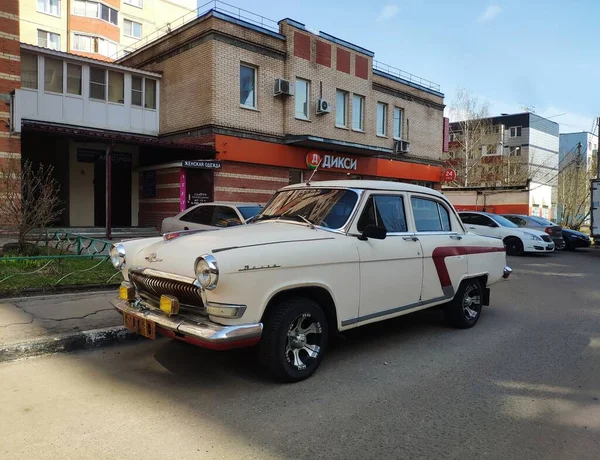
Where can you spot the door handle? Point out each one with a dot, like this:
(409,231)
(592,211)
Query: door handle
(472,228)
(410,238)
(456,237)
(186,228)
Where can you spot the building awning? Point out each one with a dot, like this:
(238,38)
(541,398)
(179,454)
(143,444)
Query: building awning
(315,142)
(101,135)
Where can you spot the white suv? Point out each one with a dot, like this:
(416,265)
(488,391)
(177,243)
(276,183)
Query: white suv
(517,240)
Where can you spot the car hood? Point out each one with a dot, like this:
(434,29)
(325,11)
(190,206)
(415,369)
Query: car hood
(528,230)
(178,254)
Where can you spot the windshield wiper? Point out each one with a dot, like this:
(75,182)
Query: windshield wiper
(289,216)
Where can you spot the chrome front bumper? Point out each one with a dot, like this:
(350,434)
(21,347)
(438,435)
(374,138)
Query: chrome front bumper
(507,271)
(198,328)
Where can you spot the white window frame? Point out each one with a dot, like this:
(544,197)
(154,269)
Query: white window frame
(383,132)
(48,39)
(254,103)
(305,115)
(399,110)
(96,44)
(104,84)
(345,95)
(132,3)
(516,131)
(131,35)
(361,127)
(47,7)
(98,12)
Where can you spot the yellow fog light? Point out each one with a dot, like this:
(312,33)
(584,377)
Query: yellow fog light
(126,292)
(169,304)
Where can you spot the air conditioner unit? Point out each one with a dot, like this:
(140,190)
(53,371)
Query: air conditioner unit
(401,147)
(282,88)
(323,106)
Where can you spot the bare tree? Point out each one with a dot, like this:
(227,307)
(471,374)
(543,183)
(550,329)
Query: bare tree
(29,199)
(574,190)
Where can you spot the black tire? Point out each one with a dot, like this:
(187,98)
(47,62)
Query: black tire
(514,246)
(461,312)
(282,345)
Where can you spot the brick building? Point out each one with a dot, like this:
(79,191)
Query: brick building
(336,106)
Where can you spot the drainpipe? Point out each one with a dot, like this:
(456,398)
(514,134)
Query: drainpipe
(68,26)
(109,150)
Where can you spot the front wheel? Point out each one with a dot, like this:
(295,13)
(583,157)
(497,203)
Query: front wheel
(514,246)
(464,310)
(294,340)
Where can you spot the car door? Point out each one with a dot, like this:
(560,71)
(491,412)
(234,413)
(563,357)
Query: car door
(482,225)
(391,270)
(444,246)
(199,218)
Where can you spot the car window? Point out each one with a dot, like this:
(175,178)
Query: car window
(430,216)
(504,222)
(384,211)
(541,220)
(201,215)
(249,211)
(480,219)
(226,216)
(517,220)
(466,218)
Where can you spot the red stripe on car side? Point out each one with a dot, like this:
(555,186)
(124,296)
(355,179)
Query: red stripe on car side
(439,258)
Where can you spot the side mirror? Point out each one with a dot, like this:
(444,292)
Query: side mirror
(373,231)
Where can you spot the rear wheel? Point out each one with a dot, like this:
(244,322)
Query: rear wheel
(464,310)
(294,340)
(514,246)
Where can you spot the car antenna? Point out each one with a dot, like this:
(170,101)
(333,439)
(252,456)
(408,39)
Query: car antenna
(313,173)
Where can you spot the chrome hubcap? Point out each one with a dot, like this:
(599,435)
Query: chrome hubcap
(471,302)
(302,341)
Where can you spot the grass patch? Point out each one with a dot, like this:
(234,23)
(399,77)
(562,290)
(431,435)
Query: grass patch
(44,274)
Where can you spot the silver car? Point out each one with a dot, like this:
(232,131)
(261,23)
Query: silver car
(208,216)
(540,224)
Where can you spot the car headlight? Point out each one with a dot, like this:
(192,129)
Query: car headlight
(207,271)
(531,236)
(117,255)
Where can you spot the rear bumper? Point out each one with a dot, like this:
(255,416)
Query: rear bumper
(195,330)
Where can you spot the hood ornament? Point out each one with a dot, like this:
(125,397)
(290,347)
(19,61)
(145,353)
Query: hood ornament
(152,258)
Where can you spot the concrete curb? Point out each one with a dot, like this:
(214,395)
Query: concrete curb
(82,340)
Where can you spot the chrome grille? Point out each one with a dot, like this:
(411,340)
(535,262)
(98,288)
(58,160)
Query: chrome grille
(547,238)
(155,286)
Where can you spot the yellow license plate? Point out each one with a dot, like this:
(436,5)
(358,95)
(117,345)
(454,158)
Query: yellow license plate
(142,326)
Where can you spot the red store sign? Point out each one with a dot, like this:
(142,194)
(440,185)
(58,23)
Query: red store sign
(315,159)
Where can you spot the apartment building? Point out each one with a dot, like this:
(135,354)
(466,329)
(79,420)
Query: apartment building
(98,29)
(277,101)
(582,147)
(511,150)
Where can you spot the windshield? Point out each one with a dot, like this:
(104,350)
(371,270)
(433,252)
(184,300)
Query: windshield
(503,221)
(249,211)
(541,220)
(329,208)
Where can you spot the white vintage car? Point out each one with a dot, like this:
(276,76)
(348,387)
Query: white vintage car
(320,258)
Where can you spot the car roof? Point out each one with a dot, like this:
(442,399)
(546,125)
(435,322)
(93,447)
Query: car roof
(367,185)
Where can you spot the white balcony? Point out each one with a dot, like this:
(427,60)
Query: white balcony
(63,88)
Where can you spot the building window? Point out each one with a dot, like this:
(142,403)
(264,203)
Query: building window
(116,87)
(358,109)
(96,10)
(94,45)
(247,86)
(341,108)
(29,71)
(137,92)
(302,98)
(398,116)
(132,29)
(295,176)
(49,7)
(381,119)
(97,83)
(74,79)
(515,131)
(53,75)
(138,3)
(149,93)
(514,151)
(48,40)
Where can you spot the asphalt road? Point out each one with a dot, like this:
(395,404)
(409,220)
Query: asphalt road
(523,384)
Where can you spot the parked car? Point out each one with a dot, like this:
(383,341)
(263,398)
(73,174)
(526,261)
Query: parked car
(540,224)
(574,239)
(207,216)
(319,259)
(517,240)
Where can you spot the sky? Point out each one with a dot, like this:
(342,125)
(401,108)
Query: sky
(542,54)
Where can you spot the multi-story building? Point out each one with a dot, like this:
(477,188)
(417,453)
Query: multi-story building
(519,150)
(98,29)
(276,100)
(582,147)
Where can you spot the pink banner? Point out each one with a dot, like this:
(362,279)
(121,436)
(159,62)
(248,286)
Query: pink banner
(182,190)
